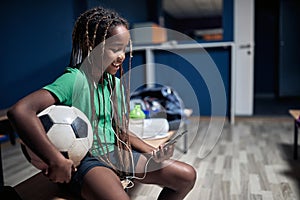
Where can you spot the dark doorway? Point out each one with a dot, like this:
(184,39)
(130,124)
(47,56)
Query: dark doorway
(268,67)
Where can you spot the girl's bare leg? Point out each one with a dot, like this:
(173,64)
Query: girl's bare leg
(176,178)
(102,183)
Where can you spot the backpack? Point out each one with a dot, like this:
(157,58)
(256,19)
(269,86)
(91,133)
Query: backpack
(160,102)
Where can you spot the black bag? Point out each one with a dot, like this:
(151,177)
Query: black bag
(160,102)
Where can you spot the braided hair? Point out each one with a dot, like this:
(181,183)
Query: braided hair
(91,29)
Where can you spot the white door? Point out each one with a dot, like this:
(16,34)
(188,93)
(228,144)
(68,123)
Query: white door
(244,45)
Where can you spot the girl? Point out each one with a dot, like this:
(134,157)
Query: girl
(100,37)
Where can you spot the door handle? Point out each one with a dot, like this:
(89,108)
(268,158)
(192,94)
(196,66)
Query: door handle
(245,46)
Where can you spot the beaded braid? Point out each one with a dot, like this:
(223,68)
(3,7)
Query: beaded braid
(92,28)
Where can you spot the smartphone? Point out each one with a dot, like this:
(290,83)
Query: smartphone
(175,138)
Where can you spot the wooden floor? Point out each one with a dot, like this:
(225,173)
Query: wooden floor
(251,159)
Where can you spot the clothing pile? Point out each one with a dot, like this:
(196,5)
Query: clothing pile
(160,102)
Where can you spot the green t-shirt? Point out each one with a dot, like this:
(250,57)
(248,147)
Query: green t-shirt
(73,89)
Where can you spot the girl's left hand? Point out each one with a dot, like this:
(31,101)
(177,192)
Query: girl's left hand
(163,153)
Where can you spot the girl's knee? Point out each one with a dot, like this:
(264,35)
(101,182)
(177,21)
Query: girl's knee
(185,178)
(189,175)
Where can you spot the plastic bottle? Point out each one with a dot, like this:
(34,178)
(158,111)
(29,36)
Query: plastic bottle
(137,117)
(137,112)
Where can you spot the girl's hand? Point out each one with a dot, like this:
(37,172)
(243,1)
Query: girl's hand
(60,172)
(163,153)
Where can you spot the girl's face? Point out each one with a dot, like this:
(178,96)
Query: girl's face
(115,46)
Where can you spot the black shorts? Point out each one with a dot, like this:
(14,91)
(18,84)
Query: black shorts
(90,162)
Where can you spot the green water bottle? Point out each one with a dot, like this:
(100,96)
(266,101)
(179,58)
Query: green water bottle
(137,117)
(137,112)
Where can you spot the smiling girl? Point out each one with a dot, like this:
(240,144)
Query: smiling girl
(100,37)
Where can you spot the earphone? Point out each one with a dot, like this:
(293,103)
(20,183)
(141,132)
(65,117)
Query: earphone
(127,178)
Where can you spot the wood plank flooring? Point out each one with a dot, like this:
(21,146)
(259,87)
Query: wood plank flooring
(249,160)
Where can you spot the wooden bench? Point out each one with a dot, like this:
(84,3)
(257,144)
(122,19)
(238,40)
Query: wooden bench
(295,114)
(40,187)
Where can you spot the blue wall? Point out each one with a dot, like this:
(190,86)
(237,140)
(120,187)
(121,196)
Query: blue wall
(200,82)
(36,40)
(133,10)
(228,20)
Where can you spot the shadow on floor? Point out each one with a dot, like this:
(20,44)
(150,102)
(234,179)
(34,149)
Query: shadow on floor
(293,172)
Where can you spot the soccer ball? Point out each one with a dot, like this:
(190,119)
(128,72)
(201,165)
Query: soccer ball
(68,129)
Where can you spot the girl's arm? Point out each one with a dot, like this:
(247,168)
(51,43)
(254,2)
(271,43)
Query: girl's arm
(140,145)
(23,117)
(158,154)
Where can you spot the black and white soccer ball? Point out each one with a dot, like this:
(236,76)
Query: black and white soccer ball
(68,129)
